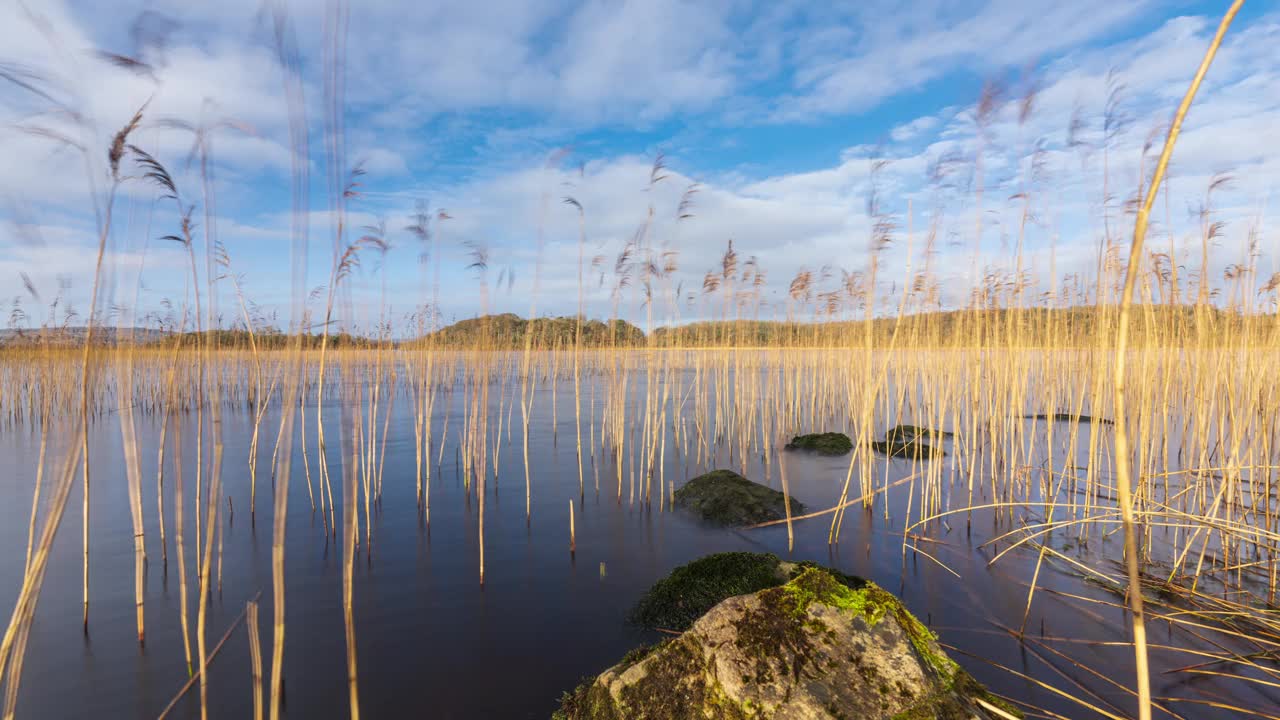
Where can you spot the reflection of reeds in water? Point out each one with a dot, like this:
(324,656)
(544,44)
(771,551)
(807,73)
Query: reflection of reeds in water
(1018,388)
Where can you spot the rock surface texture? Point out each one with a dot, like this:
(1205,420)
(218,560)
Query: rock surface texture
(821,645)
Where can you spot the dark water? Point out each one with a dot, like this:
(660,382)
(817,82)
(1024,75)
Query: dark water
(433,643)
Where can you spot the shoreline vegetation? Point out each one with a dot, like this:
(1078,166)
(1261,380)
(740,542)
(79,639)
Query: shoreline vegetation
(1085,327)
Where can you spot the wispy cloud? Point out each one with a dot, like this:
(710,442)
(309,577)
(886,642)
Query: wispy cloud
(460,105)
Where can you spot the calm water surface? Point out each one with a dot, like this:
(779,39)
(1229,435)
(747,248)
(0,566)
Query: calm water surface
(431,641)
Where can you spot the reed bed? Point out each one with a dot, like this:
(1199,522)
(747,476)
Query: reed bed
(1025,427)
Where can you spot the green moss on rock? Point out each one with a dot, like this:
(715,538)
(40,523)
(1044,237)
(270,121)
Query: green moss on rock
(813,584)
(587,700)
(685,595)
(913,448)
(812,643)
(674,685)
(831,443)
(907,432)
(1070,417)
(781,624)
(726,498)
(910,441)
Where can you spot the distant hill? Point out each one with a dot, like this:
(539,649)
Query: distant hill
(1028,327)
(1073,326)
(265,339)
(67,336)
(509,331)
(269,339)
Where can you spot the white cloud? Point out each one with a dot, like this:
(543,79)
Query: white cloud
(817,218)
(599,64)
(909,130)
(886,51)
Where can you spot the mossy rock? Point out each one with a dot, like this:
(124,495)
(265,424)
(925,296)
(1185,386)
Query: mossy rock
(726,498)
(815,644)
(910,441)
(831,443)
(914,448)
(676,601)
(910,432)
(679,599)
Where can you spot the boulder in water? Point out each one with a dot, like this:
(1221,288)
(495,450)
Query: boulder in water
(726,498)
(832,443)
(908,441)
(819,645)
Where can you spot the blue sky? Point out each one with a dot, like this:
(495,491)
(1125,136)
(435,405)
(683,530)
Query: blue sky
(776,110)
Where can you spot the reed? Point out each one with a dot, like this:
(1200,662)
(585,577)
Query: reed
(1124,484)
(255,656)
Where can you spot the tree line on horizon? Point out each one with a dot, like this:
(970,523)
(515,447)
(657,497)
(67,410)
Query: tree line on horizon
(507,331)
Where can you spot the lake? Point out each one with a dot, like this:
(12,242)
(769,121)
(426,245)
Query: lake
(433,642)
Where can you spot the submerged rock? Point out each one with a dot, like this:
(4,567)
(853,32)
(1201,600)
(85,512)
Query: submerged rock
(1069,417)
(832,443)
(726,498)
(909,449)
(917,431)
(819,645)
(909,441)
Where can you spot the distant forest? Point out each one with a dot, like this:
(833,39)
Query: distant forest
(1078,326)
(509,331)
